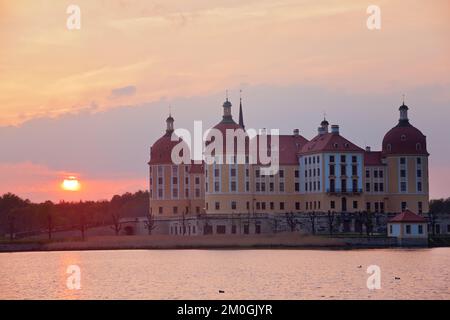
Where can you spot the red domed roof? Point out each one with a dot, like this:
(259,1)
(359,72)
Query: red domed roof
(404,139)
(161,150)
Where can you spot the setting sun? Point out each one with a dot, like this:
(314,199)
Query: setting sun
(71,184)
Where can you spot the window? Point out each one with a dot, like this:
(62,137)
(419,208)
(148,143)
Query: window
(263,205)
(419,186)
(281,205)
(402,173)
(233,172)
(354,159)
(233,229)
(332,205)
(403,137)
(160,193)
(296,173)
(381,173)
(160,210)
(216,186)
(343,170)
(354,170)
(419,160)
(343,158)
(402,160)
(248,205)
(355,204)
(403,186)
(233,205)
(247,186)
(217,205)
(263,186)
(216,173)
(271,187)
(408,229)
(375,174)
(376,206)
(175,210)
(331,158)
(281,187)
(382,207)
(355,185)
(297,187)
(257,173)
(233,185)
(247,172)
(344,185)
(175,193)
(368,206)
(389,147)
(332,185)
(419,173)
(420,207)
(404,206)
(272,206)
(281,172)
(375,187)
(160,180)
(420,229)
(332,173)
(297,206)
(367,187)
(197,210)
(418,147)
(367,173)
(258,206)
(306,186)
(186,193)
(197,193)
(381,187)
(390,228)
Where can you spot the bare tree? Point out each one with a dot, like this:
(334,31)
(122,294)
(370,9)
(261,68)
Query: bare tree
(331,217)
(312,218)
(291,221)
(150,224)
(117,225)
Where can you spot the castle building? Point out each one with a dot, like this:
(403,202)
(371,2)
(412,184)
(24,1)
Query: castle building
(329,173)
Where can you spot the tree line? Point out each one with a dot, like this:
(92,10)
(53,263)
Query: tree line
(21,217)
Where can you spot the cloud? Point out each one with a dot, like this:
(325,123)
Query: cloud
(123,92)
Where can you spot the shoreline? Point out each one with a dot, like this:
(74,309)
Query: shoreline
(160,242)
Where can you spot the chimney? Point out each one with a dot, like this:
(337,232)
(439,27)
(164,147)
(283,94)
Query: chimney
(296,132)
(335,129)
(367,149)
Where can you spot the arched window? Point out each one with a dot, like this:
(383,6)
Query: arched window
(389,147)
(418,146)
(403,137)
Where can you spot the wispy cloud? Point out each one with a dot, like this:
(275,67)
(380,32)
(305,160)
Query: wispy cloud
(123,92)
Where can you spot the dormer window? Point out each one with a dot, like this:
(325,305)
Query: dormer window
(389,147)
(335,145)
(346,145)
(418,146)
(403,137)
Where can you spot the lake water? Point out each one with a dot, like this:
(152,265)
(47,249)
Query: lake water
(242,274)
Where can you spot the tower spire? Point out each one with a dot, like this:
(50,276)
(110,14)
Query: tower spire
(241,115)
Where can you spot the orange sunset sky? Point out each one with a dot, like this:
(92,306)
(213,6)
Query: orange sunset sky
(90,102)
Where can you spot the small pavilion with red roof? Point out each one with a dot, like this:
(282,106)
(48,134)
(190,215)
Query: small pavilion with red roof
(408,225)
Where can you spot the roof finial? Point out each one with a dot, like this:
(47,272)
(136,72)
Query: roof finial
(227,94)
(170,110)
(403,95)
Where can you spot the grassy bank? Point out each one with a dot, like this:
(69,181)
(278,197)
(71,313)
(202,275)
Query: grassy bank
(285,240)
